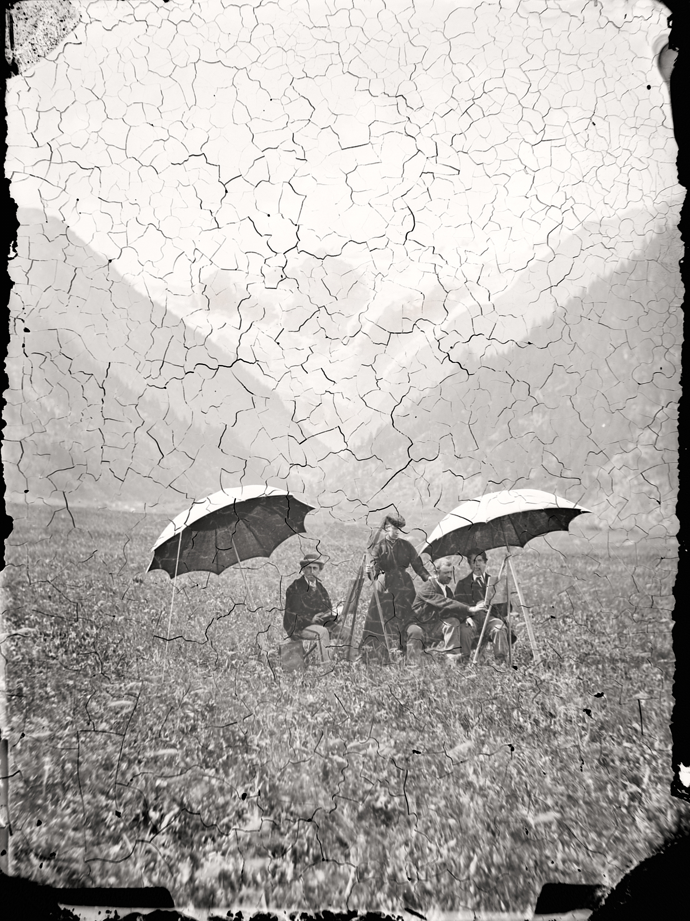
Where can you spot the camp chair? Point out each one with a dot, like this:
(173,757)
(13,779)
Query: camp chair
(296,654)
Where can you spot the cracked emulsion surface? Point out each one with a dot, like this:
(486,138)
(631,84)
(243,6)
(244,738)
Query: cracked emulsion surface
(378,254)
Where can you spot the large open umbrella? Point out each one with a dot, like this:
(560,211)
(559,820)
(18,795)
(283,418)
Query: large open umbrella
(230,526)
(507,519)
(223,529)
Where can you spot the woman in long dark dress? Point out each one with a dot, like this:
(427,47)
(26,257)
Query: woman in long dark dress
(387,567)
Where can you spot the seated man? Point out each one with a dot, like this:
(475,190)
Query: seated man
(480,585)
(308,609)
(439,617)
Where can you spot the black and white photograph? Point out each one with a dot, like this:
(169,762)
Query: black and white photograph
(341,452)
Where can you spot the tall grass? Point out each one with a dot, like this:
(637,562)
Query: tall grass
(198,765)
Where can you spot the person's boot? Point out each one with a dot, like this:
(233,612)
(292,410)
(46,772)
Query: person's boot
(499,641)
(415,652)
(397,656)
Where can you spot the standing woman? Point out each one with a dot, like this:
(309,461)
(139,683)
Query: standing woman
(387,567)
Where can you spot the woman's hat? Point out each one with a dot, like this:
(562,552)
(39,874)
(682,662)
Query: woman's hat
(396,520)
(310,558)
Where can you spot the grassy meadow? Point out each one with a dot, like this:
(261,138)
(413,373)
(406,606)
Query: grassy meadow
(200,766)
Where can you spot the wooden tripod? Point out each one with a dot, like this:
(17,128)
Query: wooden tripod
(352,600)
(509,570)
(523,608)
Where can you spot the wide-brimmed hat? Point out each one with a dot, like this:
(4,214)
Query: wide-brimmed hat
(310,558)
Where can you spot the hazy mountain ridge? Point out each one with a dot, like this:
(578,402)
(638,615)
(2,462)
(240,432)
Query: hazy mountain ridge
(584,407)
(127,405)
(115,400)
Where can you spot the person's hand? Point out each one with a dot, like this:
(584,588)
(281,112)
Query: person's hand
(469,622)
(480,606)
(322,617)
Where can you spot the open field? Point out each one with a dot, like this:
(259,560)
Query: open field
(209,771)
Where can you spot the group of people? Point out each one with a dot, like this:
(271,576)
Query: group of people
(403,622)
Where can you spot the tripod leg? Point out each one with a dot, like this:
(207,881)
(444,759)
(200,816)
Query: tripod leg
(350,608)
(526,614)
(357,590)
(481,637)
(383,624)
(354,603)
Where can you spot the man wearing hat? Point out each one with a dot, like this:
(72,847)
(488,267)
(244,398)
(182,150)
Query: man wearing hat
(394,591)
(307,606)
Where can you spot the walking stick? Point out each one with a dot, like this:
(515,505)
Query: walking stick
(244,577)
(488,611)
(172,603)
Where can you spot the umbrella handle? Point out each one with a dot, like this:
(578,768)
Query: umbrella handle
(509,629)
(172,601)
(244,576)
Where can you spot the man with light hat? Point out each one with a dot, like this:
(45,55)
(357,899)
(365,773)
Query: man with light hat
(308,608)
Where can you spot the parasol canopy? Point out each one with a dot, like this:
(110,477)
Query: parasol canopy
(509,518)
(230,526)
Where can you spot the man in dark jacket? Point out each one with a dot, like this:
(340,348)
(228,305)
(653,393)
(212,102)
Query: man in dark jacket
(308,609)
(394,591)
(476,586)
(438,616)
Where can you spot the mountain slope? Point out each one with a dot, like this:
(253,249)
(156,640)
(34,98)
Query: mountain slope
(584,406)
(114,400)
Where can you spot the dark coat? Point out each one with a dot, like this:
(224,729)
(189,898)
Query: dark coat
(470,591)
(390,559)
(432,606)
(302,603)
